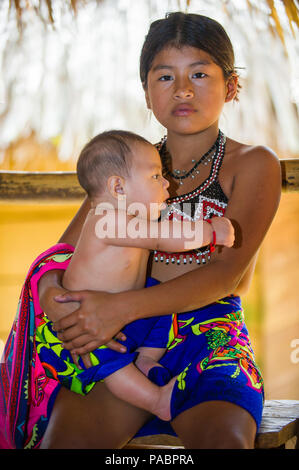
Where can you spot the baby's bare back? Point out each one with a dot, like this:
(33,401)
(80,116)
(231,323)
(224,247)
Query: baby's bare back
(96,265)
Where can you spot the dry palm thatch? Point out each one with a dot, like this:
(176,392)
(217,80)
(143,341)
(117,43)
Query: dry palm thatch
(20,6)
(63,80)
(290,8)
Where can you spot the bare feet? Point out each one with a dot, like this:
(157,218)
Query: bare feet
(145,364)
(162,406)
(161,402)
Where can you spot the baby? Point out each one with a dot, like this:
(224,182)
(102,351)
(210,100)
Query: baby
(122,175)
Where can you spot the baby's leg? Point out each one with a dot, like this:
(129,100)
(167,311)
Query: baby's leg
(131,385)
(148,358)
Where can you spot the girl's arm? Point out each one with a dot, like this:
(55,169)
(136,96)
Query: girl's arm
(50,285)
(253,203)
(72,233)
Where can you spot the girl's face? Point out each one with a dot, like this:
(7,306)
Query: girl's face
(186,90)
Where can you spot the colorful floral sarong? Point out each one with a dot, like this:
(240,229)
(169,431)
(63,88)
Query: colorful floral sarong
(209,348)
(154,332)
(212,353)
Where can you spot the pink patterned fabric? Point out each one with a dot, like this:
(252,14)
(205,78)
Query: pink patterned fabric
(26,393)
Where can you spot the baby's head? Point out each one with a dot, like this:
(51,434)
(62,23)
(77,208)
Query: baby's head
(117,165)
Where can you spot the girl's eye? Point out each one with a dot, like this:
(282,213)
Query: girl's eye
(165,78)
(156,177)
(199,75)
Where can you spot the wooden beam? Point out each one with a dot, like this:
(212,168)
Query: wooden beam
(25,186)
(64,186)
(290,174)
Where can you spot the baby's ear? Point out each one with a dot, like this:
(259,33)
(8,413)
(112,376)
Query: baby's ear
(115,186)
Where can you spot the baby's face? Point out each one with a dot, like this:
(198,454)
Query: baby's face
(146,185)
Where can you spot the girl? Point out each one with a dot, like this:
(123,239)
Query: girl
(188,74)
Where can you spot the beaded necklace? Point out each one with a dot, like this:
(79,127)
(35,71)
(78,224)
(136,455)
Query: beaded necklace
(214,202)
(181,175)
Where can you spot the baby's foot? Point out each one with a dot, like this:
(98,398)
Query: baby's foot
(145,364)
(159,376)
(162,407)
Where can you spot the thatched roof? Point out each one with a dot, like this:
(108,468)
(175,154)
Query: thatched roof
(290,8)
(70,69)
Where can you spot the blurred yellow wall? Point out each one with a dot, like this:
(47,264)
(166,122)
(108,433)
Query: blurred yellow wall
(271,307)
(26,230)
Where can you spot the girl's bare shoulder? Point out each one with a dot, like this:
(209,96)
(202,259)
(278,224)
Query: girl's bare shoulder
(256,158)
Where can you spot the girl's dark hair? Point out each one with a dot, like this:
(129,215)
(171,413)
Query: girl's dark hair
(187,29)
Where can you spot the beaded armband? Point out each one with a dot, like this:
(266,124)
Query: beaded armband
(212,245)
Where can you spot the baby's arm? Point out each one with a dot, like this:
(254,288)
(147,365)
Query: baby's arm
(122,229)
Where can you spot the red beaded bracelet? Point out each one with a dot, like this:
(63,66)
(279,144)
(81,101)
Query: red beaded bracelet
(212,245)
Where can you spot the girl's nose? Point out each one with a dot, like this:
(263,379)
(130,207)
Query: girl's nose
(184,90)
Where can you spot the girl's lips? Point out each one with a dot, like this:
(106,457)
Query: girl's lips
(183,110)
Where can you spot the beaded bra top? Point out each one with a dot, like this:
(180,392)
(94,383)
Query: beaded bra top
(206,201)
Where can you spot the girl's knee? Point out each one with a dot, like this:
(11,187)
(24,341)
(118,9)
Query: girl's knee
(230,439)
(216,425)
(219,440)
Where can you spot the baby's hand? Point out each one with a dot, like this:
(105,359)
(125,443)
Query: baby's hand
(225,233)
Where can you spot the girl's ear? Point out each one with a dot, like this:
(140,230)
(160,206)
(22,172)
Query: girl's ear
(231,88)
(116,187)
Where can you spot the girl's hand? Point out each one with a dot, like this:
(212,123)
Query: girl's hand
(93,324)
(86,357)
